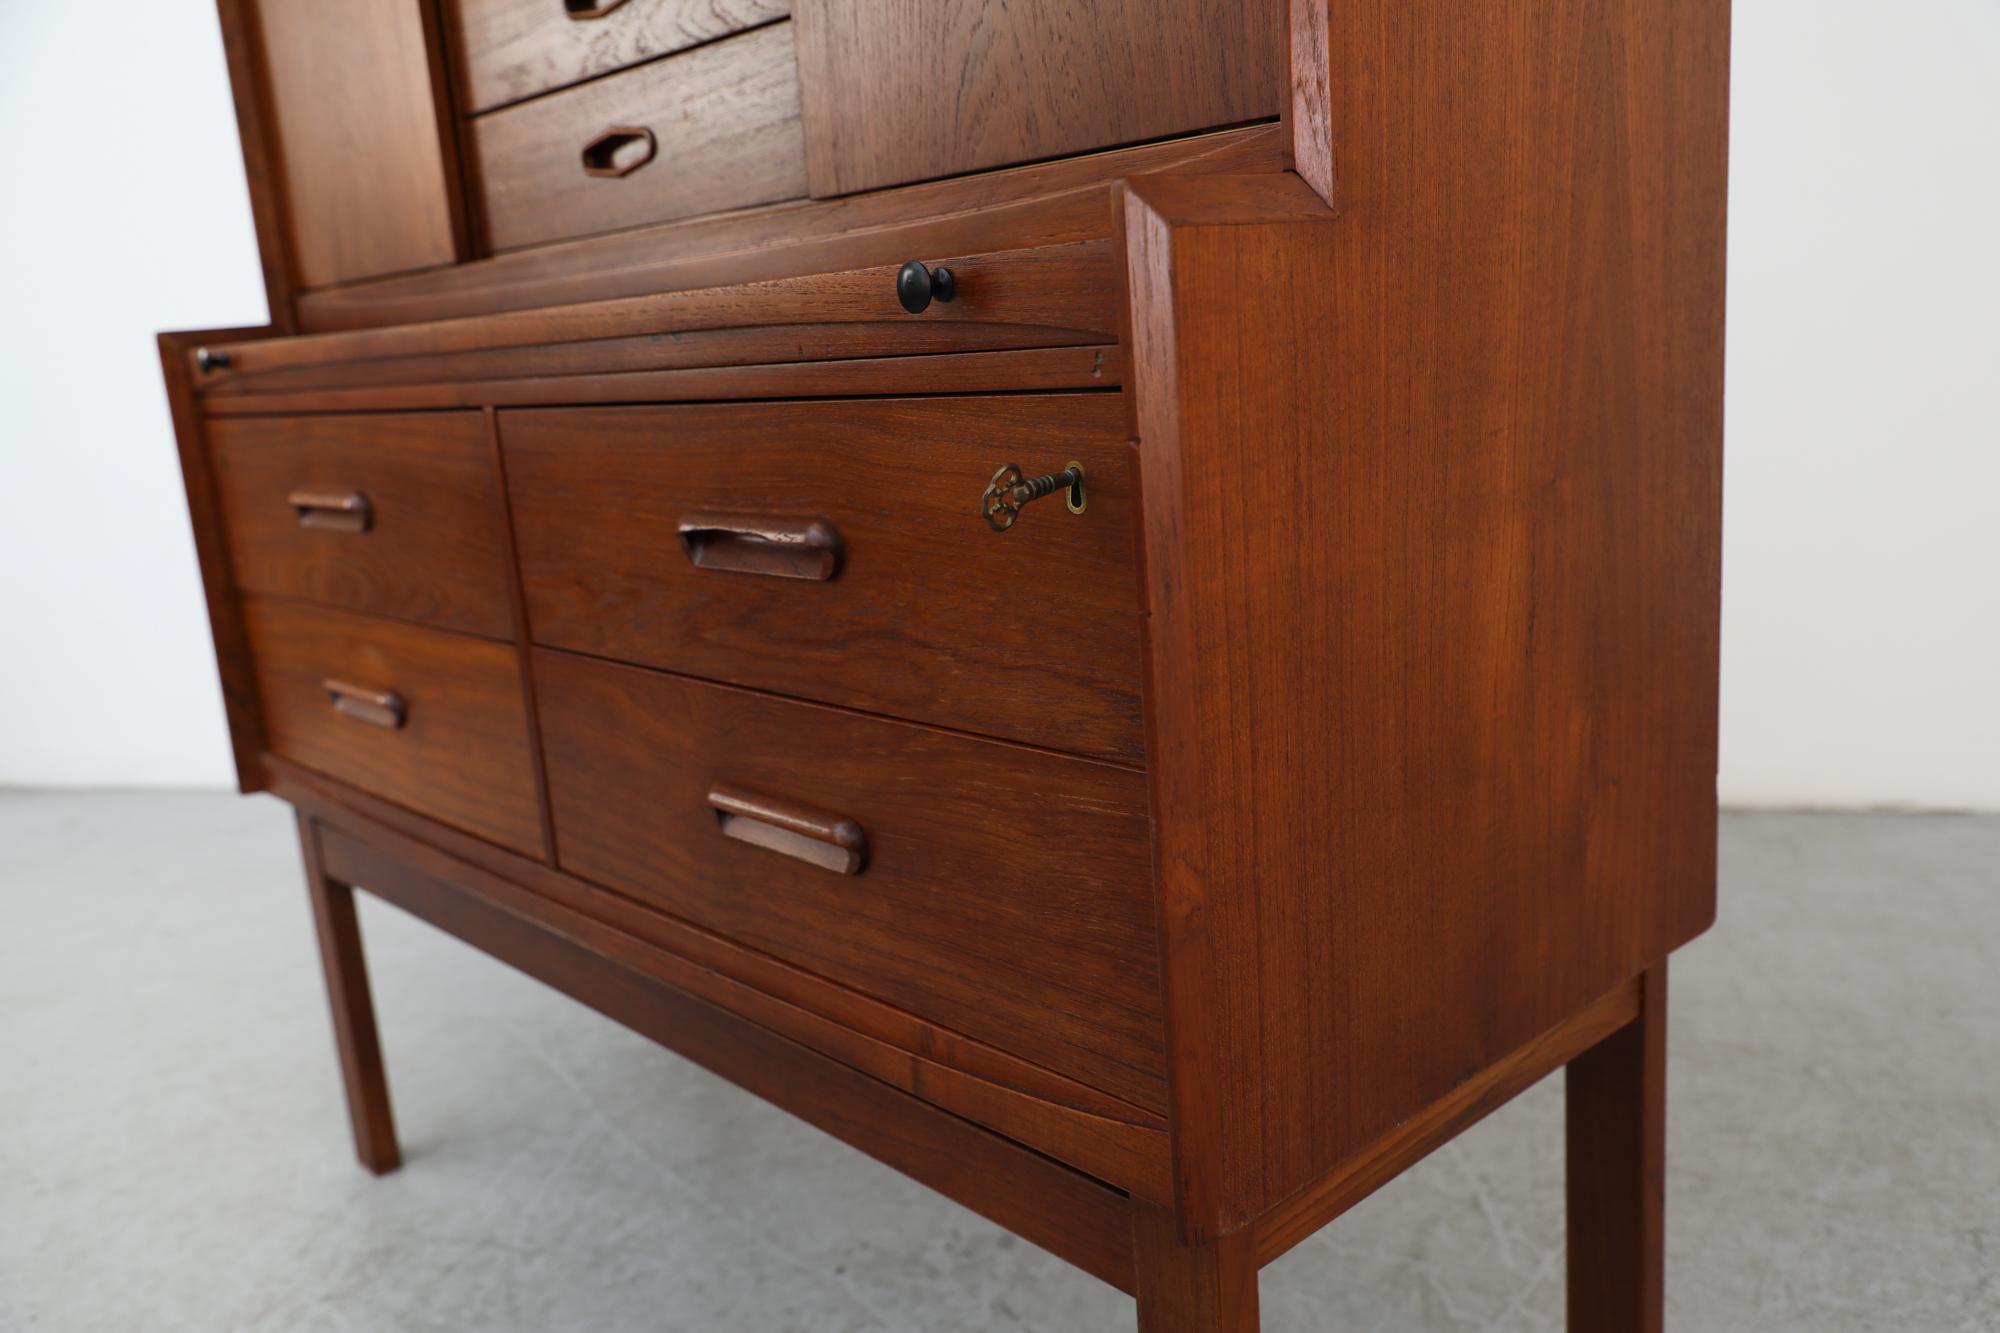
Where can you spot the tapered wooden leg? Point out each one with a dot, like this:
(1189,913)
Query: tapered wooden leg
(1617,1114)
(1208,1288)
(353,1011)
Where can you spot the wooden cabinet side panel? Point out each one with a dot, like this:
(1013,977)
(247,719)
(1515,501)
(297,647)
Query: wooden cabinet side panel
(905,90)
(262,175)
(368,161)
(1432,495)
(204,502)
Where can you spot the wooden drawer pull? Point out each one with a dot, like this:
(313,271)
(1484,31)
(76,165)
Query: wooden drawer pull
(778,548)
(331,512)
(619,151)
(382,708)
(590,9)
(831,842)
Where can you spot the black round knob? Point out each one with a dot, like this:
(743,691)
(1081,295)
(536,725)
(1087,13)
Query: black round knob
(206,360)
(917,286)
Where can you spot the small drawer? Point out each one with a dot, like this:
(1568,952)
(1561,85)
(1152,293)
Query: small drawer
(836,551)
(433,721)
(997,890)
(512,49)
(397,515)
(713,129)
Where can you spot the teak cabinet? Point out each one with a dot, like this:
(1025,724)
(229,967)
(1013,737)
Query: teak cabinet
(1114,602)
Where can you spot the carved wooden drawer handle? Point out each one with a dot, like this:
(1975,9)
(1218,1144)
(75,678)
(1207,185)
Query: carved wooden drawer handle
(590,9)
(331,511)
(619,151)
(831,842)
(381,708)
(778,548)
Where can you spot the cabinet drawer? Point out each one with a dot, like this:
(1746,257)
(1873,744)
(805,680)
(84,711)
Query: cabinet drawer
(433,721)
(511,49)
(639,531)
(398,515)
(997,890)
(715,128)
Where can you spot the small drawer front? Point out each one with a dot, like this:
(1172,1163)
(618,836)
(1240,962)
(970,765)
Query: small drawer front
(433,721)
(397,515)
(999,891)
(512,49)
(712,129)
(836,551)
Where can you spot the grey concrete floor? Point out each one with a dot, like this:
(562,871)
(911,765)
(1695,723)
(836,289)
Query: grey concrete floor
(173,1150)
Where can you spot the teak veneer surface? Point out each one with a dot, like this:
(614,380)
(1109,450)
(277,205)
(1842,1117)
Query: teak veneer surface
(463,755)
(725,125)
(1049,203)
(915,89)
(1108,1138)
(1033,635)
(725,348)
(374,189)
(204,502)
(1454,489)
(1054,1207)
(1160,880)
(433,549)
(1005,892)
(512,49)
(1063,293)
(1094,367)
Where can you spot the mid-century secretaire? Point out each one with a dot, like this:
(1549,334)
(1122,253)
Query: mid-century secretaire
(1114,601)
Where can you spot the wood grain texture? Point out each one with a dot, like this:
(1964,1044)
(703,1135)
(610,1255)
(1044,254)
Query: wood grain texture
(435,549)
(725,118)
(1432,490)
(1112,1140)
(1026,370)
(1047,1204)
(726,348)
(517,609)
(370,180)
(1205,1287)
(1031,635)
(263,174)
(1067,288)
(1051,203)
(355,1040)
(1005,895)
(1616,1096)
(511,49)
(204,502)
(1297,1218)
(463,753)
(904,90)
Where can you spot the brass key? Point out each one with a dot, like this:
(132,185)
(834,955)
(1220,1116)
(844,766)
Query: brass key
(1009,491)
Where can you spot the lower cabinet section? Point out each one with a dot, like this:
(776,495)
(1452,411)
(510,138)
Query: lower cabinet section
(430,720)
(997,890)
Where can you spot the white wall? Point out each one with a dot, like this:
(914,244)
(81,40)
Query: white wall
(1861,555)
(123,212)
(1861,638)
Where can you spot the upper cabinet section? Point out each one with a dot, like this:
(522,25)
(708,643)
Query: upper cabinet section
(396,145)
(363,140)
(511,49)
(906,90)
